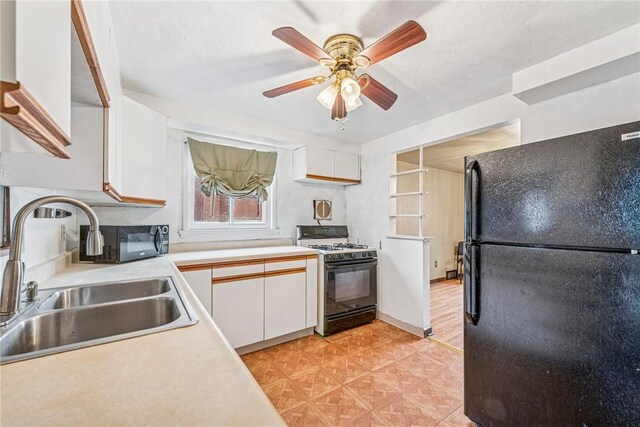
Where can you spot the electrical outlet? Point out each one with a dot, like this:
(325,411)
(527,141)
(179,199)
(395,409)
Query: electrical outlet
(63,234)
(436,264)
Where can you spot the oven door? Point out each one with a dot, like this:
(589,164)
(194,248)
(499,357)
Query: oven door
(139,242)
(349,285)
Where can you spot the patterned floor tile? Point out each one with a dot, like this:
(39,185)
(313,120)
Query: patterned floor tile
(399,376)
(315,383)
(433,399)
(370,420)
(373,391)
(451,380)
(266,373)
(255,358)
(311,341)
(304,415)
(284,395)
(404,412)
(372,358)
(339,335)
(296,363)
(457,419)
(372,375)
(397,349)
(283,350)
(326,353)
(346,370)
(421,363)
(340,406)
(354,343)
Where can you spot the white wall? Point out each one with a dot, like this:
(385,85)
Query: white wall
(444,205)
(294,201)
(44,239)
(607,104)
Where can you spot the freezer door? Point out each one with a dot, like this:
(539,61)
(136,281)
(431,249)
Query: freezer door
(557,338)
(580,190)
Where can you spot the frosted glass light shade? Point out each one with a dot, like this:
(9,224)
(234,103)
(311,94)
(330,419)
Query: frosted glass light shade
(350,89)
(328,96)
(352,105)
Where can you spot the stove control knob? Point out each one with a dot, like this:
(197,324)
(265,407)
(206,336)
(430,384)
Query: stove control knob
(353,255)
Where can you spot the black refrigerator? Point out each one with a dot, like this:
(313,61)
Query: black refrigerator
(552,282)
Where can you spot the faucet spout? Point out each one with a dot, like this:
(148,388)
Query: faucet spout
(13,277)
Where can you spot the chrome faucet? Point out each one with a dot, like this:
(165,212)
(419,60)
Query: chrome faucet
(12,280)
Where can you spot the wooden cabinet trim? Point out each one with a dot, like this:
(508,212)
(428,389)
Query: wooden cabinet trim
(241,277)
(20,108)
(334,179)
(239,263)
(81,25)
(285,272)
(115,194)
(194,267)
(238,278)
(286,259)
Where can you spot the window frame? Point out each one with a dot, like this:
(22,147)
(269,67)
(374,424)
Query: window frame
(189,174)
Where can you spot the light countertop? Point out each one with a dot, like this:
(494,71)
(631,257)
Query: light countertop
(186,376)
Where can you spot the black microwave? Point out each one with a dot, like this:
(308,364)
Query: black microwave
(123,243)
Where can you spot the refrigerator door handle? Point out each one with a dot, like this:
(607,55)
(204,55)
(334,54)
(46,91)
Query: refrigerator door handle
(468,200)
(471,283)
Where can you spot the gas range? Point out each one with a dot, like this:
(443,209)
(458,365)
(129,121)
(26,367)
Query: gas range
(347,278)
(343,251)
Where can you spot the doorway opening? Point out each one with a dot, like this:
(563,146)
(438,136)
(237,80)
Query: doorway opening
(444,221)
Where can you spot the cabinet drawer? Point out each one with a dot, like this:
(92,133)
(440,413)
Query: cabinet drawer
(238,268)
(286,263)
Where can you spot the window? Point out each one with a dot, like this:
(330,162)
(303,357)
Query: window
(227,212)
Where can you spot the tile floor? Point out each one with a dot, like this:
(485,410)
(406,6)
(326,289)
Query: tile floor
(372,375)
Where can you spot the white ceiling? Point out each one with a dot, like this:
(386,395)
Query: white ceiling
(221,54)
(450,155)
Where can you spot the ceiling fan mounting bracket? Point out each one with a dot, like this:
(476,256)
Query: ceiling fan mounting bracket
(343,47)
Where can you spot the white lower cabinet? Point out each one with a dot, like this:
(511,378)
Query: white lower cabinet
(284,304)
(256,300)
(238,310)
(200,282)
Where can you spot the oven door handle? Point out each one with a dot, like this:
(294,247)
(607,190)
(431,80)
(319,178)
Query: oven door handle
(335,266)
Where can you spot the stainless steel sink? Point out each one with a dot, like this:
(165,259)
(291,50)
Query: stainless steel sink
(83,316)
(109,292)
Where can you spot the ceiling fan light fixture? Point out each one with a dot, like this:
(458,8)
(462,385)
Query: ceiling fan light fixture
(350,89)
(352,105)
(328,96)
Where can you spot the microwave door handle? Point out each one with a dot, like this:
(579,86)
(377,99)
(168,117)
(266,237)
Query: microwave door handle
(157,240)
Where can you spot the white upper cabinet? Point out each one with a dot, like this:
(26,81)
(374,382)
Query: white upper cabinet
(312,164)
(347,166)
(144,148)
(118,146)
(35,57)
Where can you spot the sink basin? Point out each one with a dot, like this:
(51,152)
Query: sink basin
(67,327)
(101,293)
(87,315)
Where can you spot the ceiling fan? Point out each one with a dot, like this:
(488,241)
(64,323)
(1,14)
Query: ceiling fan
(343,54)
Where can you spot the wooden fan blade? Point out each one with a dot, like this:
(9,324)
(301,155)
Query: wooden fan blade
(293,86)
(296,40)
(377,92)
(397,40)
(339,110)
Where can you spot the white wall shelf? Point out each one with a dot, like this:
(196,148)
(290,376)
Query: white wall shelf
(413,193)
